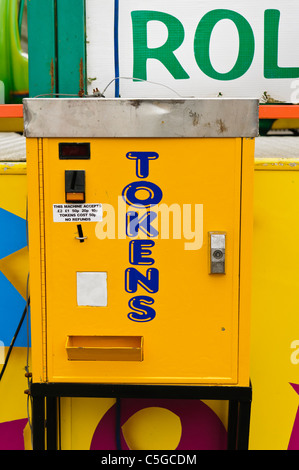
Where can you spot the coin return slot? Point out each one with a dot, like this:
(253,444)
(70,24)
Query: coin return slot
(75,186)
(104,348)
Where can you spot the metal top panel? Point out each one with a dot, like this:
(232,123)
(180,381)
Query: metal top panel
(101,117)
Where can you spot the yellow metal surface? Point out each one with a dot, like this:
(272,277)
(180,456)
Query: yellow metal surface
(275,304)
(13,168)
(280,164)
(36,271)
(199,331)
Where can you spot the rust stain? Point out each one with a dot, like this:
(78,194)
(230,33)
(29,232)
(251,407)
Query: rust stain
(221,126)
(195,118)
(81,78)
(135,103)
(52,74)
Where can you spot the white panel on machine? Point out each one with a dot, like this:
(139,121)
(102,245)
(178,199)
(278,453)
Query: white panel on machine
(92,289)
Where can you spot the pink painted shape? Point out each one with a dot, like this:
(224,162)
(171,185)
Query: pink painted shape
(294,439)
(295,387)
(201,427)
(11,434)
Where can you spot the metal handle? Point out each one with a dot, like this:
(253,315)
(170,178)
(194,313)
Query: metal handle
(80,233)
(217,252)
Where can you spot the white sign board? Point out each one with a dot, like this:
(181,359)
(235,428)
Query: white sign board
(193,48)
(77,212)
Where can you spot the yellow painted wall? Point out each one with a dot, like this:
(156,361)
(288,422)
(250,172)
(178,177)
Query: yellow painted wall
(14,269)
(275,301)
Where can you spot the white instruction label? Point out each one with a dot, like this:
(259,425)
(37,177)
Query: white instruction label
(77,212)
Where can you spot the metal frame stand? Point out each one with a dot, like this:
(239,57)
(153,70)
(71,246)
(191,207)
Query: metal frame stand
(45,405)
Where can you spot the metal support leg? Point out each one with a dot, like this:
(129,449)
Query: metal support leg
(232,427)
(38,422)
(244,424)
(51,406)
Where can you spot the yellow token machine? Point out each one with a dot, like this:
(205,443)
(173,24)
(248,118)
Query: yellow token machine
(140,230)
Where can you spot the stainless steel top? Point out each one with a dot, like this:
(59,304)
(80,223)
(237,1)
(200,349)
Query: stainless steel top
(101,117)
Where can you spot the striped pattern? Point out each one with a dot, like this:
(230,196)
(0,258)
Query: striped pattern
(277,147)
(12,147)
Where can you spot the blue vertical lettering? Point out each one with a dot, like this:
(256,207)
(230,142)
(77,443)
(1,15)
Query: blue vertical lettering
(130,194)
(142,312)
(142,162)
(143,223)
(139,252)
(150,282)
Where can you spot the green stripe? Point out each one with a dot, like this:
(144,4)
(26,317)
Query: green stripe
(71,46)
(56,47)
(41,47)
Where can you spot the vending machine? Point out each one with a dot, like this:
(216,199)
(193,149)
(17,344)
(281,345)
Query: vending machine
(140,231)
